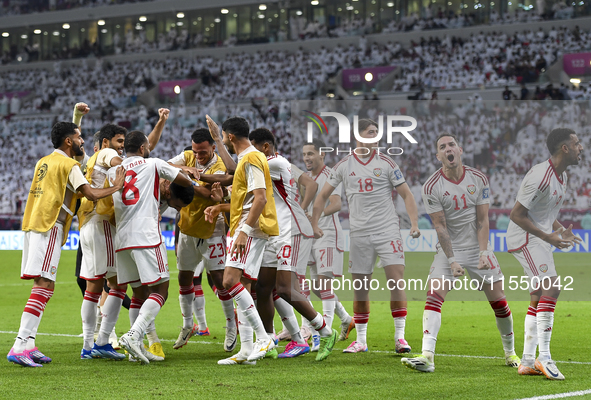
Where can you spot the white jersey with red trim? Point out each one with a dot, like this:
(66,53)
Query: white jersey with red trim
(290,215)
(458,201)
(136,206)
(368,185)
(542,193)
(330,225)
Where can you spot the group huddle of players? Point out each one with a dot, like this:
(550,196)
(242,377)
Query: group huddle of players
(256,224)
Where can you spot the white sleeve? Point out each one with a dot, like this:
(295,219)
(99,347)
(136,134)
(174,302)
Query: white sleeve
(178,160)
(274,169)
(296,173)
(529,194)
(335,179)
(105,156)
(75,178)
(483,193)
(395,176)
(431,202)
(255,177)
(166,171)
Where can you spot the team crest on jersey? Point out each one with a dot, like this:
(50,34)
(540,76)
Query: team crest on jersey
(42,172)
(544,268)
(471,189)
(377,172)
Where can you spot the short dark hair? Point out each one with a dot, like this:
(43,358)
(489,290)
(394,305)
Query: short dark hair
(557,137)
(317,143)
(201,135)
(445,134)
(363,123)
(184,193)
(262,135)
(134,140)
(237,126)
(60,131)
(109,131)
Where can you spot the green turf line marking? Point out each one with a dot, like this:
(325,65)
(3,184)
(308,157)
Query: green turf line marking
(560,395)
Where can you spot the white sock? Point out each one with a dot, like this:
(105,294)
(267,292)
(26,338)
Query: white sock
(505,327)
(399,315)
(288,318)
(319,324)
(151,334)
(361,321)
(245,304)
(530,341)
(545,317)
(199,308)
(30,345)
(340,311)
(147,314)
(31,317)
(88,313)
(227,307)
(186,297)
(246,334)
(328,306)
(431,326)
(111,310)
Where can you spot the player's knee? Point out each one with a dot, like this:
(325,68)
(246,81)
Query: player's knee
(228,282)
(263,290)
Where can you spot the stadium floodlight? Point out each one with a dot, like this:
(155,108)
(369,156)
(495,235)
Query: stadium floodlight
(180,23)
(225,11)
(5,34)
(217,20)
(298,12)
(369,77)
(66,26)
(101,22)
(575,81)
(262,7)
(180,15)
(56,33)
(390,4)
(23,36)
(143,18)
(177,89)
(261,16)
(104,31)
(314,2)
(37,31)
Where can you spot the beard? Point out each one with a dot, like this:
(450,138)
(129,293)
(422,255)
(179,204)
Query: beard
(77,150)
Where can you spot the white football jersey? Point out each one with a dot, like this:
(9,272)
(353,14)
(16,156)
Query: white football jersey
(458,201)
(300,221)
(136,206)
(368,186)
(542,193)
(330,225)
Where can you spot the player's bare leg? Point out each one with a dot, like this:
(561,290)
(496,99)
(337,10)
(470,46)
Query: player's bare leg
(264,291)
(496,297)
(361,313)
(438,289)
(395,273)
(199,307)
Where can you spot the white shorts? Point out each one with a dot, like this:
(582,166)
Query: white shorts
(277,252)
(148,266)
(192,251)
(537,261)
(250,262)
(364,251)
(41,253)
(98,253)
(301,252)
(468,259)
(328,262)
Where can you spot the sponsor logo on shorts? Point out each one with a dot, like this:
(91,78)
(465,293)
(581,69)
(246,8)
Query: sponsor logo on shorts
(544,268)
(377,172)
(471,189)
(53,270)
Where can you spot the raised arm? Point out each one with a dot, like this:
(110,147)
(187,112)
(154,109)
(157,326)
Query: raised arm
(214,131)
(224,179)
(154,136)
(440,226)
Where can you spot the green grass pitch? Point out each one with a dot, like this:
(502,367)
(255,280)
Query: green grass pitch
(468,329)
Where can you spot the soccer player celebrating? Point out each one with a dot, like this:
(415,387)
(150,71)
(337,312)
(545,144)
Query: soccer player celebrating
(201,241)
(47,219)
(141,259)
(369,179)
(326,258)
(253,219)
(532,232)
(457,198)
(280,256)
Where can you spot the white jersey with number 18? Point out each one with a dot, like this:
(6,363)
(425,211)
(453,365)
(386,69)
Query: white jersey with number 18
(136,206)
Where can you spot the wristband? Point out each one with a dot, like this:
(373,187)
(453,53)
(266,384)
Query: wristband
(484,253)
(246,229)
(451,260)
(194,183)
